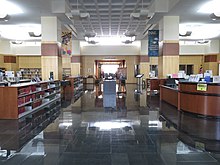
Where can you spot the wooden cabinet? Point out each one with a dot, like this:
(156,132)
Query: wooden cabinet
(24,99)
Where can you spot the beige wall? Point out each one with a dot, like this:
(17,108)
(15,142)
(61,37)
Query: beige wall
(145,69)
(2,61)
(211,66)
(88,65)
(51,64)
(167,65)
(153,60)
(195,60)
(29,61)
(75,69)
(66,62)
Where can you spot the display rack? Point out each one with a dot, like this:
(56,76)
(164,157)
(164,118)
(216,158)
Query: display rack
(29,73)
(76,87)
(25,99)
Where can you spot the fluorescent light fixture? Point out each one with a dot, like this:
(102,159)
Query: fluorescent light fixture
(109,41)
(210,7)
(9,8)
(20,32)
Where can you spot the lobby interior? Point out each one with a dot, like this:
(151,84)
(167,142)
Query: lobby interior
(138,127)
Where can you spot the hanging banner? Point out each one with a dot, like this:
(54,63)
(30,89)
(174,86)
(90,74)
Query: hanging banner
(153,43)
(66,43)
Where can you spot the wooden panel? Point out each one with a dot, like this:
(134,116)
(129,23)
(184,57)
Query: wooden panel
(199,102)
(196,61)
(211,58)
(8,100)
(169,95)
(51,64)
(145,69)
(66,61)
(75,69)
(29,61)
(204,105)
(211,66)
(170,49)
(9,59)
(168,65)
(192,87)
(1,61)
(153,60)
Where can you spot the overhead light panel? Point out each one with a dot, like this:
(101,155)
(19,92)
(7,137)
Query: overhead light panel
(4,18)
(32,34)
(17,42)
(215,16)
(127,42)
(142,15)
(77,15)
(203,42)
(188,33)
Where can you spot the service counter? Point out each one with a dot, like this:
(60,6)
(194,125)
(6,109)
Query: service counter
(205,101)
(169,95)
(198,98)
(154,83)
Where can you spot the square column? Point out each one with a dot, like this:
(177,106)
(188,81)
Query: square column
(168,62)
(51,60)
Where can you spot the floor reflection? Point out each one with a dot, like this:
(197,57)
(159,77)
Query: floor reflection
(138,131)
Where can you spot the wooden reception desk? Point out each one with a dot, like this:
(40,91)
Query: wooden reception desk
(190,99)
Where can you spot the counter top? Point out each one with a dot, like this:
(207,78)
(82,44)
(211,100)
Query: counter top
(175,89)
(200,82)
(26,83)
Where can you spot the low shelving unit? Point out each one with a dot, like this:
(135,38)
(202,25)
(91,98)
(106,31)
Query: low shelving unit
(76,87)
(25,99)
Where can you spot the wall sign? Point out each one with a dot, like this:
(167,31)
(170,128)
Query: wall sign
(201,87)
(153,43)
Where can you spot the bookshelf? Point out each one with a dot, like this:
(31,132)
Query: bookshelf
(76,87)
(25,99)
(29,73)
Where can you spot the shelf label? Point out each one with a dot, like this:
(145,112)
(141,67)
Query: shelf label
(201,87)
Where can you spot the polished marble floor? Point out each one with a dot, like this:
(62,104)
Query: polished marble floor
(139,130)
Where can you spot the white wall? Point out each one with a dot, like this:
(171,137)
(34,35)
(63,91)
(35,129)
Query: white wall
(26,50)
(75,47)
(192,49)
(211,48)
(110,50)
(5,47)
(144,47)
(51,29)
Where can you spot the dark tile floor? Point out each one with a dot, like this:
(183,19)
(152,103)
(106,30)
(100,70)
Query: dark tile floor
(138,131)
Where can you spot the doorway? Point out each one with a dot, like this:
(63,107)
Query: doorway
(109,70)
